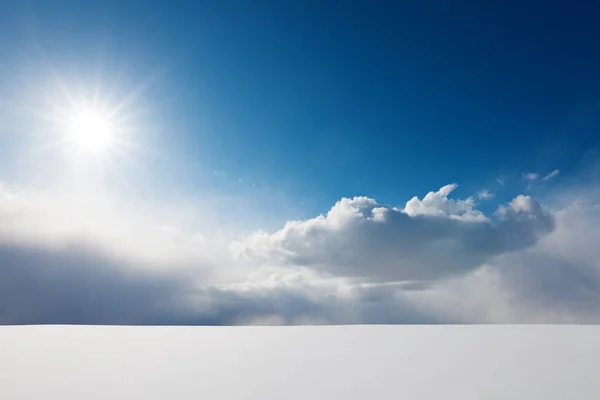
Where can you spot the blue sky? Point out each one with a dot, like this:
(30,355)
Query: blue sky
(320,101)
(240,116)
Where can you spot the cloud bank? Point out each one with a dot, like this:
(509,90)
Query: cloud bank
(434,260)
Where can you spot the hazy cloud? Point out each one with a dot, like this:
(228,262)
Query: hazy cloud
(557,280)
(551,175)
(436,260)
(485,194)
(79,285)
(530,176)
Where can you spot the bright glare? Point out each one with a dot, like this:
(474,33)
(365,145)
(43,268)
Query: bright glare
(90,131)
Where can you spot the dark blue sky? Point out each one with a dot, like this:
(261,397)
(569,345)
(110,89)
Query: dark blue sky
(321,99)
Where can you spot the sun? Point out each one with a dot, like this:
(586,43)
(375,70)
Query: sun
(88,127)
(90,131)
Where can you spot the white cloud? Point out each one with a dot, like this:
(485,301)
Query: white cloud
(438,204)
(551,175)
(431,238)
(485,194)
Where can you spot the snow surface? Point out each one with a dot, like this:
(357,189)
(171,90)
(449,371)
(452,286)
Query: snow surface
(335,362)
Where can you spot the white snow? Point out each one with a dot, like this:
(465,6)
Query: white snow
(335,362)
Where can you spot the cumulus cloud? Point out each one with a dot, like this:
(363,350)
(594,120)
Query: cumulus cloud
(432,238)
(438,204)
(551,175)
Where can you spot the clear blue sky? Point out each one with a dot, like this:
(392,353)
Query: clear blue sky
(324,99)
